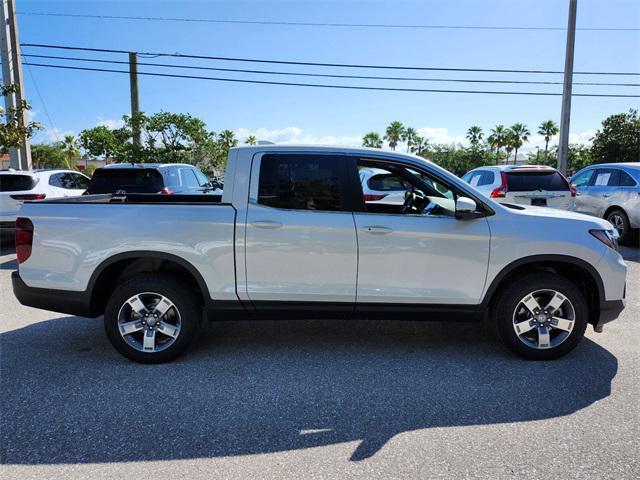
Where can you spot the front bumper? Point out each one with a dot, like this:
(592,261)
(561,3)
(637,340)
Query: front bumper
(63,301)
(609,311)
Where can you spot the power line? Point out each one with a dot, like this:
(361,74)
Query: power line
(317,85)
(323,75)
(325,24)
(316,64)
(44,105)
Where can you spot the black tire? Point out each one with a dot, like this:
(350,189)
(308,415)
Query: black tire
(504,310)
(184,300)
(618,217)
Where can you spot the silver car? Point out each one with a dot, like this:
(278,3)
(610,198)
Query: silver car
(610,191)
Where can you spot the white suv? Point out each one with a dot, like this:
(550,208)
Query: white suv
(536,185)
(18,186)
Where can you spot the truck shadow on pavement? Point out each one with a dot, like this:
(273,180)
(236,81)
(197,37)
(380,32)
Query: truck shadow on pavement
(260,387)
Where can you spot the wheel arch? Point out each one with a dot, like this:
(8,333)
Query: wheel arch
(611,209)
(126,264)
(580,272)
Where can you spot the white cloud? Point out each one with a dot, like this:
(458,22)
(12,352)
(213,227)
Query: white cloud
(56,135)
(295,135)
(111,123)
(440,135)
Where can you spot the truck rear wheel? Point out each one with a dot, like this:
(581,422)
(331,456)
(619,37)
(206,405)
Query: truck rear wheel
(152,318)
(541,315)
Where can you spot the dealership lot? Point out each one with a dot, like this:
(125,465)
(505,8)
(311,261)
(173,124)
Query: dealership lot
(315,399)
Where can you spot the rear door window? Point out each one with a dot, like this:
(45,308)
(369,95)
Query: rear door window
(129,180)
(303,182)
(532,181)
(606,177)
(16,183)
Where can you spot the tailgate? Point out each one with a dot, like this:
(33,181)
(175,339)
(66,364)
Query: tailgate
(543,198)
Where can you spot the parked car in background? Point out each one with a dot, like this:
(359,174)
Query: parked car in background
(611,191)
(536,185)
(170,178)
(16,186)
(382,186)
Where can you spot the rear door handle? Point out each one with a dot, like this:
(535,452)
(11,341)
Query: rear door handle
(266,224)
(606,195)
(377,230)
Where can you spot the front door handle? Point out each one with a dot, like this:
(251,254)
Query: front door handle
(266,224)
(377,230)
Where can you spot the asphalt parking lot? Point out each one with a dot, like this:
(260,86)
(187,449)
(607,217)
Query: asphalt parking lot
(315,399)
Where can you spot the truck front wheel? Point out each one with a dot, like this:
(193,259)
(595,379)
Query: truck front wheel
(152,318)
(541,315)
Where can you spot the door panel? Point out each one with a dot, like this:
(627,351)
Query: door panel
(421,259)
(307,253)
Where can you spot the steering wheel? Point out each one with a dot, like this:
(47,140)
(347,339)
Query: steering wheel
(409,201)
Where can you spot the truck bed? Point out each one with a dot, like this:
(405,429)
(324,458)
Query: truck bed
(74,236)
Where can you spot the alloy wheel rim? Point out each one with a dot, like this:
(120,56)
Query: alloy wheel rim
(149,322)
(618,223)
(544,319)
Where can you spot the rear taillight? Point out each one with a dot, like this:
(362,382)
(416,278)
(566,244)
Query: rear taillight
(29,196)
(24,238)
(166,191)
(501,191)
(373,198)
(568,183)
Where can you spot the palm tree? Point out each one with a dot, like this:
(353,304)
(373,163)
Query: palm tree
(420,145)
(251,140)
(70,148)
(409,136)
(474,134)
(394,133)
(549,129)
(228,139)
(372,140)
(509,144)
(520,135)
(497,139)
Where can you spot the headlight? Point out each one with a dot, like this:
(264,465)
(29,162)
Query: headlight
(608,237)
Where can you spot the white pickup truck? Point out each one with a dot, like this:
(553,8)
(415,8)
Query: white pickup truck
(293,236)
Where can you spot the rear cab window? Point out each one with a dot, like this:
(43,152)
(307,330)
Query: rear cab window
(531,181)
(128,180)
(301,182)
(16,183)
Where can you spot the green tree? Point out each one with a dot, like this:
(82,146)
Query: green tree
(474,135)
(509,143)
(618,140)
(548,129)
(497,139)
(409,136)
(372,140)
(251,140)
(13,129)
(69,147)
(47,155)
(520,134)
(420,145)
(394,133)
(103,142)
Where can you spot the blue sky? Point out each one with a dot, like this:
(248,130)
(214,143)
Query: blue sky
(77,100)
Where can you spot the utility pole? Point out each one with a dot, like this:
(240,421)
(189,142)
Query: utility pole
(135,100)
(12,75)
(565,116)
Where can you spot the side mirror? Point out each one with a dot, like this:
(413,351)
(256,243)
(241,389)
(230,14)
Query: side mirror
(466,208)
